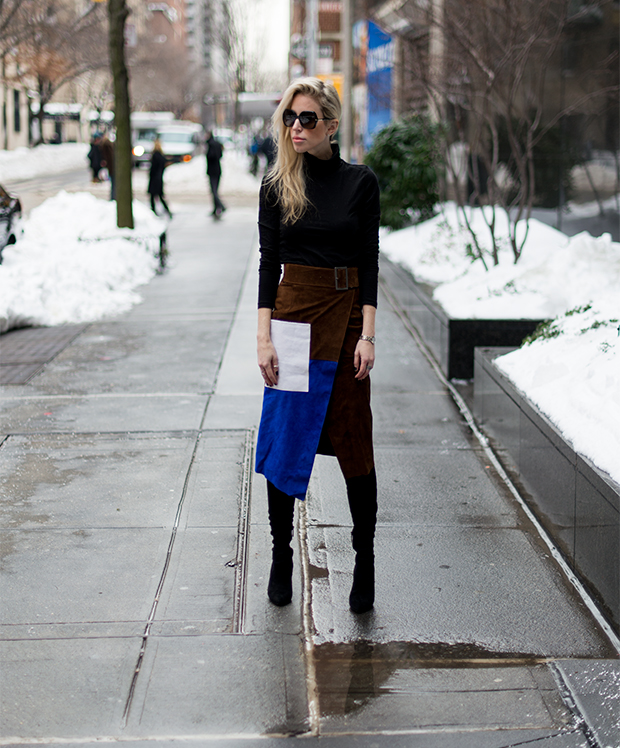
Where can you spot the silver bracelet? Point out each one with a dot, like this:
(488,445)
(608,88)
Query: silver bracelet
(369,338)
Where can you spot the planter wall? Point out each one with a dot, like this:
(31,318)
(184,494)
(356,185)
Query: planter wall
(451,340)
(578,505)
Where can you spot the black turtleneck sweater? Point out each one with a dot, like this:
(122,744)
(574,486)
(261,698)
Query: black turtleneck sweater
(340,228)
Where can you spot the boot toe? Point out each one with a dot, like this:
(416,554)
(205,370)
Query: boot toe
(361,602)
(280,587)
(279,596)
(362,597)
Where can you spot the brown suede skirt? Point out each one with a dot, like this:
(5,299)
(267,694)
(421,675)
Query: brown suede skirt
(328,299)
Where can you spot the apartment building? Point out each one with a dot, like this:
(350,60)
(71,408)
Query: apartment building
(14,118)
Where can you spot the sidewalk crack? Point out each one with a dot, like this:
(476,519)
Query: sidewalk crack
(158,591)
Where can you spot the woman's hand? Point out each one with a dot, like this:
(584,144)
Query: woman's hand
(268,362)
(364,359)
(267,356)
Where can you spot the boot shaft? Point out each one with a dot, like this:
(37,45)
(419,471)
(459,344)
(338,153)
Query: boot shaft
(362,495)
(281,512)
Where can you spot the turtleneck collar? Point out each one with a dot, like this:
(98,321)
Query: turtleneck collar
(319,166)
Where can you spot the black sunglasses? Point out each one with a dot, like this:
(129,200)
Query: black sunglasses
(307,120)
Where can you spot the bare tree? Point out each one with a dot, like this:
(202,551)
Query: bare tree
(96,87)
(55,44)
(8,27)
(161,75)
(234,42)
(161,80)
(245,38)
(496,74)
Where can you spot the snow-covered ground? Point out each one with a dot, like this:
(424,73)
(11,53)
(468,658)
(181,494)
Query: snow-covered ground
(572,371)
(28,163)
(74,265)
(555,273)
(574,378)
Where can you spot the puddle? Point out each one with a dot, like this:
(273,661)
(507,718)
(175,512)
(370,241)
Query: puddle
(350,675)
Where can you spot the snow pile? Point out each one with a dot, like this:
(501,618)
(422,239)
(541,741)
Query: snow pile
(549,279)
(74,265)
(554,273)
(27,163)
(572,371)
(440,250)
(572,374)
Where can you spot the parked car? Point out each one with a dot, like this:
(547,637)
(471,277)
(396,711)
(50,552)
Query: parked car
(10,219)
(181,141)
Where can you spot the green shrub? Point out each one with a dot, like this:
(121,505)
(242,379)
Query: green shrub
(405,156)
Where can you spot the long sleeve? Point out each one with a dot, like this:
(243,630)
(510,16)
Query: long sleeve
(269,237)
(369,270)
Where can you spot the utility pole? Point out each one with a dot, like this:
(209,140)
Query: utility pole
(347,79)
(117,15)
(436,61)
(312,36)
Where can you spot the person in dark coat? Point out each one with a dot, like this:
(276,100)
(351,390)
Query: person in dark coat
(156,177)
(214,171)
(107,161)
(268,148)
(94,156)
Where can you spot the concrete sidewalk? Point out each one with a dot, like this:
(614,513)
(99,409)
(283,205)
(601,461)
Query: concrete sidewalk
(135,551)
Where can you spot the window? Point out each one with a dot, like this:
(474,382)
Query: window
(17,119)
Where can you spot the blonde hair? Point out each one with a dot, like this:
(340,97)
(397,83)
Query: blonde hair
(287,178)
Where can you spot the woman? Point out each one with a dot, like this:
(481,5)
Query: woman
(107,162)
(156,177)
(319,216)
(94,156)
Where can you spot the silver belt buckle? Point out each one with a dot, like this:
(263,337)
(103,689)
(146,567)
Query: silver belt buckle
(346,279)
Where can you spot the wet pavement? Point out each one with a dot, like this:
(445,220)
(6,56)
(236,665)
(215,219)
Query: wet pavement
(135,551)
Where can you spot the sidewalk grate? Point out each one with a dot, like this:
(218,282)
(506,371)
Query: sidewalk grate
(24,352)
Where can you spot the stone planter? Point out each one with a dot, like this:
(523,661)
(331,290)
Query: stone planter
(578,505)
(451,340)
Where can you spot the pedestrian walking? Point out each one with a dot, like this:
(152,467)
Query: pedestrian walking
(94,156)
(215,151)
(253,154)
(156,177)
(319,217)
(107,161)
(268,149)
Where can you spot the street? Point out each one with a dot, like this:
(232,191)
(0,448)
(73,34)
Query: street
(184,183)
(32,192)
(136,550)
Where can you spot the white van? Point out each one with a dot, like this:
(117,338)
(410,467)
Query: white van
(181,141)
(144,127)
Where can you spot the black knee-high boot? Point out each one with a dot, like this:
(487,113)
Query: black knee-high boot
(362,494)
(281,510)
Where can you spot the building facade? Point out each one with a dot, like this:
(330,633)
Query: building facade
(15,117)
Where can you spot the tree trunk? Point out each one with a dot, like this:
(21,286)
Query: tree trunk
(39,116)
(117,13)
